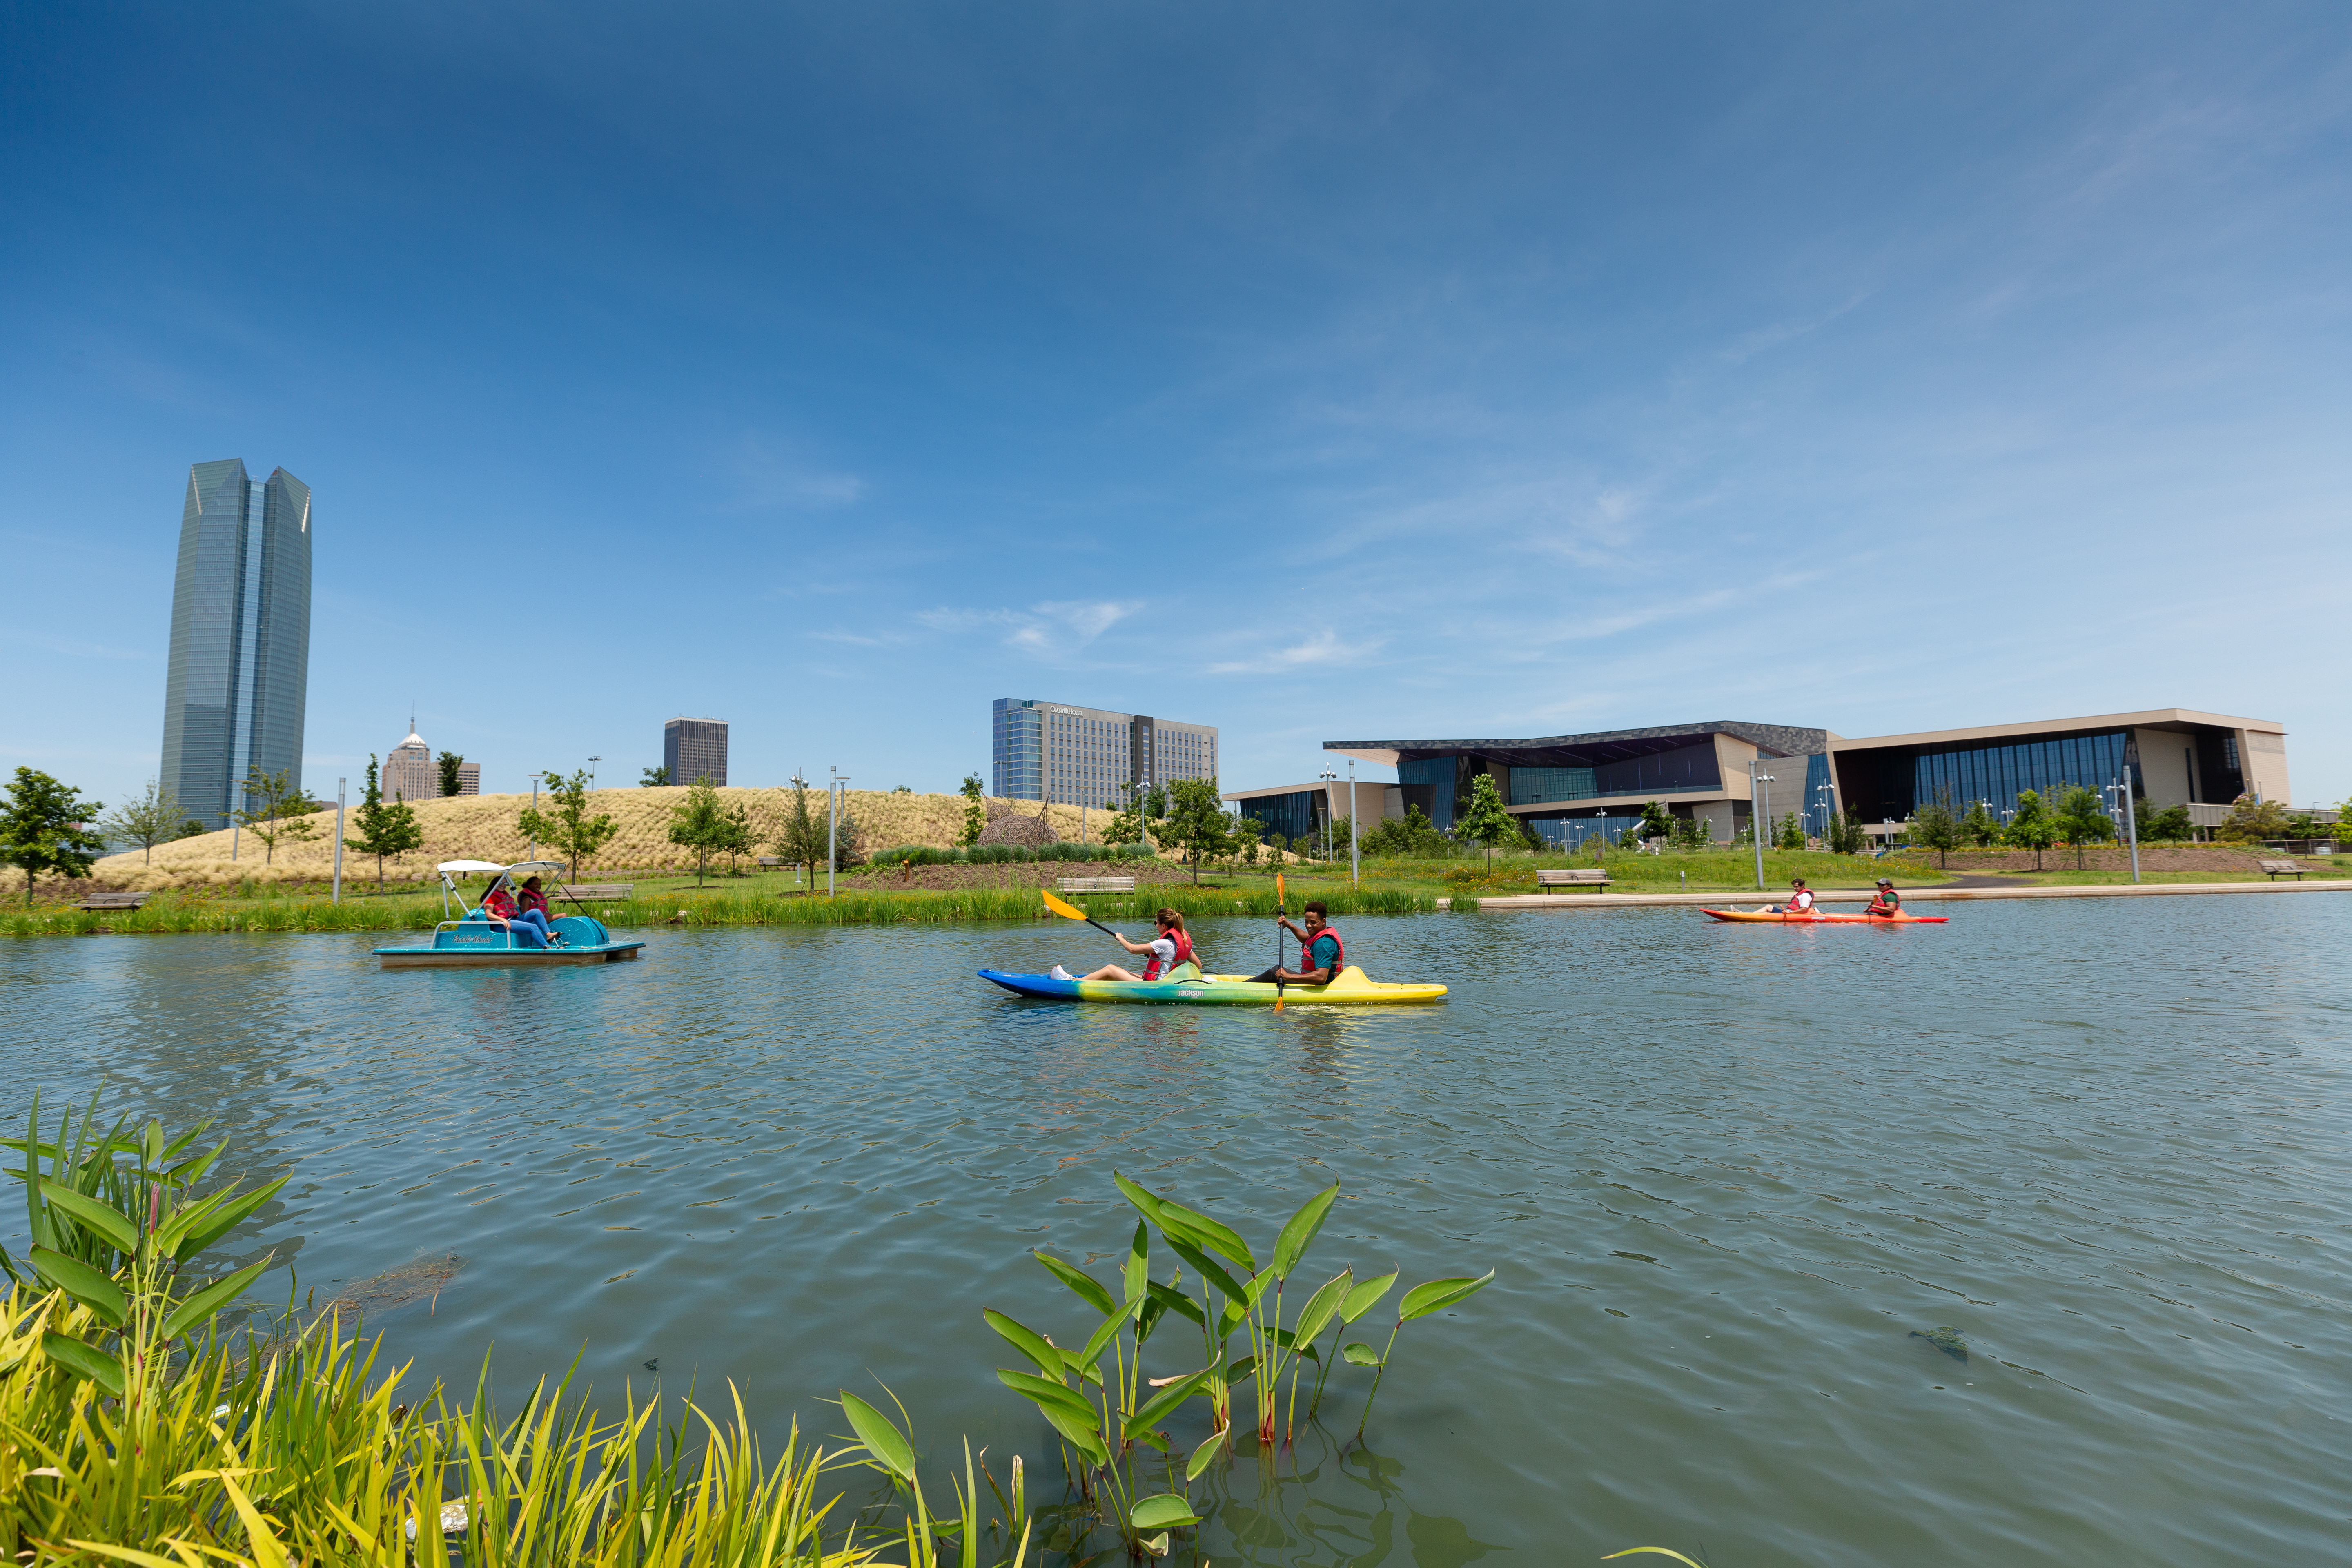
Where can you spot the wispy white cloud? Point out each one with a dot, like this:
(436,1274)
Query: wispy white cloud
(1322,648)
(1053,630)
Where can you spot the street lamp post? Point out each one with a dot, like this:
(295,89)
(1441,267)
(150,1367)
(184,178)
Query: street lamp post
(1355,856)
(1759,812)
(2131,823)
(1328,775)
(592,771)
(835,782)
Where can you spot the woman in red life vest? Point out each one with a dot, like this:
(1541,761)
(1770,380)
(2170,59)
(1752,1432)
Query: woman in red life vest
(1322,953)
(1172,950)
(529,928)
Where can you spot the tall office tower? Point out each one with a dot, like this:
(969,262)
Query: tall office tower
(1089,756)
(411,773)
(240,670)
(695,749)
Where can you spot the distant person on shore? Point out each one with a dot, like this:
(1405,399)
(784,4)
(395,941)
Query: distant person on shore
(1888,902)
(1170,951)
(1321,954)
(1801,901)
(528,926)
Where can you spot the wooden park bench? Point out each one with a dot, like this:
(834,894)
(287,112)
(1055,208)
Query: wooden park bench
(594,893)
(1095,885)
(773,860)
(112,901)
(2277,868)
(1595,878)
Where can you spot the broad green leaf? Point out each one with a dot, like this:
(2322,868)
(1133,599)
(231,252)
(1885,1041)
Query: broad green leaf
(882,1439)
(1047,1393)
(1085,1435)
(1100,1339)
(1661,1550)
(1365,1297)
(84,1284)
(1211,1233)
(1203,1457)
(1152,1312)
(83,1362)
(1145,1202)
(152,1142)
(1088,1372)
(1211,1269)
(1088,1289)
(120,1231)
(1298,1235)
(1154,1545)
(1321,1308)
(1162,1510)
(1175,1300)
(171,1150)
(1360,1354)
(1028,1340)
(187,1217)
(1438,1295)
(1158,1408)
(229,1216)
(200,1307)
(188,1173)
(1241,1369)
(1139,1262)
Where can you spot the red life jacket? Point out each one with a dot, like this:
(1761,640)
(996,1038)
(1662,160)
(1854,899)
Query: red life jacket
(499,904)
(1184,954)
(1339,957)
(1805,907)
(532,899)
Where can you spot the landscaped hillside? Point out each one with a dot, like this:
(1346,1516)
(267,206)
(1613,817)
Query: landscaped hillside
(482,828)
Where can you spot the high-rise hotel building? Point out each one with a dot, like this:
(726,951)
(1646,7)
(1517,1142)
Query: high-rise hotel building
(1089,756)
(240,663)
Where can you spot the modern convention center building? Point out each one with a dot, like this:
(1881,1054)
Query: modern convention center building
(1567,787)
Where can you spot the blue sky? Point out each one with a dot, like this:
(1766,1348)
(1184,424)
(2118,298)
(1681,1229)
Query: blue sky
(1314,371)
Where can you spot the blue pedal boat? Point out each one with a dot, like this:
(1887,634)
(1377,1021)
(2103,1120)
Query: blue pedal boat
(473,941)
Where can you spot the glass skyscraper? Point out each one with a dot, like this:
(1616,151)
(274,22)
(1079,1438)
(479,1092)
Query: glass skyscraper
(1091,757)
(240,638)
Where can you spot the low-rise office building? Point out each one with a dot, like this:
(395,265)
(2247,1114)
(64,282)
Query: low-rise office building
(1569,787)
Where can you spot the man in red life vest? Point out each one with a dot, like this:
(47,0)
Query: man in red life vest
(1322,953)
(1888,903)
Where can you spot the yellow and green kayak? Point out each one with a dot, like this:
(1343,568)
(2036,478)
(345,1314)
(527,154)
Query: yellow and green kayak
(1230,990)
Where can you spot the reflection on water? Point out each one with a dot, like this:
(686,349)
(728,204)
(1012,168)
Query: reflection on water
(1746,1190)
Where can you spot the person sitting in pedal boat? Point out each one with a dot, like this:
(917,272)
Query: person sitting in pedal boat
(528,926)
(1170,951)
(1321,954)
(1888,902)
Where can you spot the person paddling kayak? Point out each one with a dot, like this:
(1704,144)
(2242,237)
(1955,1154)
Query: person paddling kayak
(1801,901)
(1322,953)
(1170,951)
(1888,902)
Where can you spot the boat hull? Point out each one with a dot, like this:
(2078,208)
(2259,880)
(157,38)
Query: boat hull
(1752,917)
(1351,989)
(456,958)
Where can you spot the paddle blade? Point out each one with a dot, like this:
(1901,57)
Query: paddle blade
(1064,908)
(1279,897)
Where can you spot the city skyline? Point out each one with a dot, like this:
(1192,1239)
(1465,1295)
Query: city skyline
(1322,371)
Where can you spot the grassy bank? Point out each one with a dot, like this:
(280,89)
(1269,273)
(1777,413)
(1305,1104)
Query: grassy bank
(714,906)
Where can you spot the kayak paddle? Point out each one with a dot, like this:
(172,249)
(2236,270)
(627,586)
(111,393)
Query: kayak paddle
(1281,908)
(1070,912)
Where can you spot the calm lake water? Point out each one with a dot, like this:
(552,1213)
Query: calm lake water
(1728,1176)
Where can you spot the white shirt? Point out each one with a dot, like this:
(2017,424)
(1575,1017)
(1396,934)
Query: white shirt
(1163,952)
(1802,901)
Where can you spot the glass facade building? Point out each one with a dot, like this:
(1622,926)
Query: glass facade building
(695,749)
(238,681)
(1298,814)
(1091,756)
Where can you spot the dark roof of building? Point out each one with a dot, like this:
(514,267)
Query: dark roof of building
(1599,746)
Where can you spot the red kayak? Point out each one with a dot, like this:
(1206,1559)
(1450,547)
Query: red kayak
(1821,919)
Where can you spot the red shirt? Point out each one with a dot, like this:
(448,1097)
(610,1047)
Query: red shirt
(499,904)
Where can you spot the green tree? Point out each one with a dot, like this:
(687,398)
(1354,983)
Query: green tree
(45,828)
(1790,834)
(1937,827)
(565,826)
(975,814)
(270,812)
(1196,823)
(2031,827)
(2251,821)
(450,783)
(799,832)
(1979,826)
(383,829)
(654,778)
(1486,823)
(1657,822)
(699,825)
(1845,835)
(737,834)
(2081,820)
(153,818)
(2163,823)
